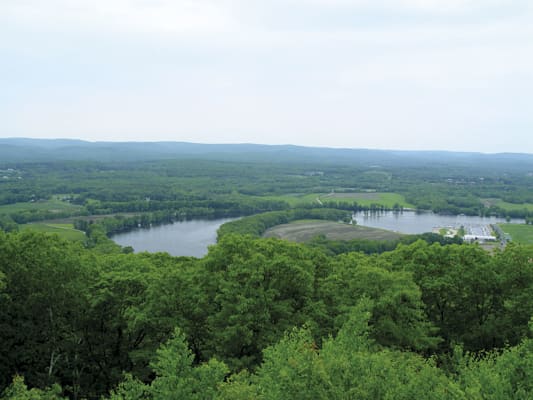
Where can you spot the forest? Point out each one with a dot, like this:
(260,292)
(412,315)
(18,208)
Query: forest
(229,182)
(264,318)
(259,318)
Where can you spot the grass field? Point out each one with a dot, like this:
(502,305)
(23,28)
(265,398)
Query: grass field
(304,230)
(366,199)
(65,231)
(520,233)
(511,206)
(53,205)
(295,199)
(507,206)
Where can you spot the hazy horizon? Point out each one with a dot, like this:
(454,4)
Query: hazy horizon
(261,144)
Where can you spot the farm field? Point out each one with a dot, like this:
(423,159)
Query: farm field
(304,230)
(367,199)
(66,231)
(53,205)
(520,233)
(512,207)
(362,198)
(94,218)
(294,199)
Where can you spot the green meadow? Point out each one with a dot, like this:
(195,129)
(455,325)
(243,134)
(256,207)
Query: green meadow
(367,199)
(512,206)
(364,199)
(66,231)
(53,205)
(305,230)
(520,233)
(296,199)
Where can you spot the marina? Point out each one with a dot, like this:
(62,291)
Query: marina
(470,228)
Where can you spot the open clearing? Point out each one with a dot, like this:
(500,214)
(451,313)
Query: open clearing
(294,200)
(305,230)
(52,205)
(513,207)
(367,199)
(94,218)
(507,206)
(65,231)
(353,196)
(520,233)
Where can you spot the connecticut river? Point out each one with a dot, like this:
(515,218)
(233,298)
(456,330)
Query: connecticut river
(191,238)
(414,223)
(186,238)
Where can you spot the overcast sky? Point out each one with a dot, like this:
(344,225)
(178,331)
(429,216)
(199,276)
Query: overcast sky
(394,74)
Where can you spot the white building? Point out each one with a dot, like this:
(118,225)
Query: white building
(478,238)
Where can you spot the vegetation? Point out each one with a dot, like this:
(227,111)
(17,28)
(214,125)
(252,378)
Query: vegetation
(520,233)
(257,225)
(388,200)
(179,181)
(296,200)
(65,231)
(304,230)
(514,207)
(262,318)
(51,205)
(76,319)
(336,247)
(412,316)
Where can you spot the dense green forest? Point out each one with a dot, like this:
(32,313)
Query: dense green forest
(421,316)
(263,318)
(221,181)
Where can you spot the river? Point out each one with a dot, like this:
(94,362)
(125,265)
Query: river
(192,238)
(185,238)
(414,223)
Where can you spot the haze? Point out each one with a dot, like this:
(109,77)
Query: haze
(405,74)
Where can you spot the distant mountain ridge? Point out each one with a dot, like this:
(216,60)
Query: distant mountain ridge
(22,150)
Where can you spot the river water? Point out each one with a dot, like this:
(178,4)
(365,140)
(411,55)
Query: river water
(191,238)
(414,223)
(185,238)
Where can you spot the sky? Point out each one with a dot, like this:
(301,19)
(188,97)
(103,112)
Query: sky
(385,74)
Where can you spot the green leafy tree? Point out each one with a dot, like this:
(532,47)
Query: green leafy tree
(348,366)
(258,289)
(461,291)
(40,307)
(498,375)
(176,376)
(115,336)
(130,389)
(176,296)
(398,318)
(19,391)
(516,277)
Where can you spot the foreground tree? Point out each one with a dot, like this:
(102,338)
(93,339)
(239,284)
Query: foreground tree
(348,366)
(398,319)
(19,391)
(40,308)
(176,377)
(498,376)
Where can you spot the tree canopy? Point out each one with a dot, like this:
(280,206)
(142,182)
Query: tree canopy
(263,318)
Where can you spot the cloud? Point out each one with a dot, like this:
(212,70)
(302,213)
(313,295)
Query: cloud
(163,16)
(215,16)
(430,6)
(332,72)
